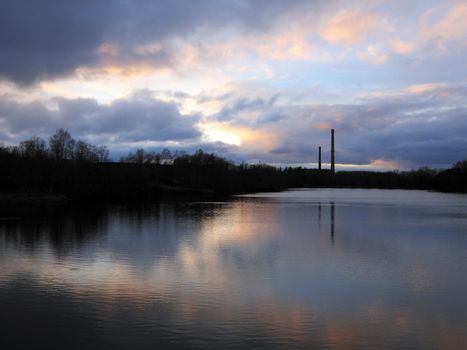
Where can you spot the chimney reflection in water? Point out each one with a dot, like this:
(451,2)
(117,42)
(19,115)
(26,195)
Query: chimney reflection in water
(319,216)
(332,215)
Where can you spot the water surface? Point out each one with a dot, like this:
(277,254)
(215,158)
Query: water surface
(327,269)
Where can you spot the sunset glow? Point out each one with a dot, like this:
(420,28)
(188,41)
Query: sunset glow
(248,80)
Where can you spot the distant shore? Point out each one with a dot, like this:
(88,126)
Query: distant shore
(35,174)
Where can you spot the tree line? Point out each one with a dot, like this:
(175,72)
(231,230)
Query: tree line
(61,147)
(79,169)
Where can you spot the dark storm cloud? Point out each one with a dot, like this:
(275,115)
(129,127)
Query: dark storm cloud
(50,38)
(124,120)
(41,39)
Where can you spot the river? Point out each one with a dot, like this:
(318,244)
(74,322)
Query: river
(324,269)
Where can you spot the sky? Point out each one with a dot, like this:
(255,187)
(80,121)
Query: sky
(249,80)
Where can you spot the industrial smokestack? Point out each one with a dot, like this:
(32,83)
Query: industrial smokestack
(333,169)
(319,158)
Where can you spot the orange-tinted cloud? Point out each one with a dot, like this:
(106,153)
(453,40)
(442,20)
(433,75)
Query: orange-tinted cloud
(452,26)
(402,47)
(349,26)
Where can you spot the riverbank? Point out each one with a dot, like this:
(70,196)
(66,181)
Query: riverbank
(36,200)
(31,200)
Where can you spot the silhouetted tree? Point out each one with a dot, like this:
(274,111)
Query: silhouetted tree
(139,156)
(152,158)
(166,154)
(78,168)
(61,145)
(83,152)
(461,165)
(102,153)
(35,147)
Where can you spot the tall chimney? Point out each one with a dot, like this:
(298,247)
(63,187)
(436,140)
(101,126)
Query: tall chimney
(319,158)
(333,163)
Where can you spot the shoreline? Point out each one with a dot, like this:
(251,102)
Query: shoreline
(12,200)
(43,200)
(36,200)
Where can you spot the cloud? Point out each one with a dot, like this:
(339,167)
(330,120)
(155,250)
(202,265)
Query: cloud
(348,26)
(402,47)
(424,88)
(271,77)
(439,30)
(249,106)
(422,125)
(104,38)
(375,55)
(130,120)
(450,27)
(39,41)
(51,39)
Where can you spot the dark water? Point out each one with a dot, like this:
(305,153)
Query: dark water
(331,269)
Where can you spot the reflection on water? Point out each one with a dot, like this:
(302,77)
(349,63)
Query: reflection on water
(298,269)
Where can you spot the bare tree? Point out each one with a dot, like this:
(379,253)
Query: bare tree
(61,145)
(82,151)
(102,154)
(166,154)
(35,147)
(139,157)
